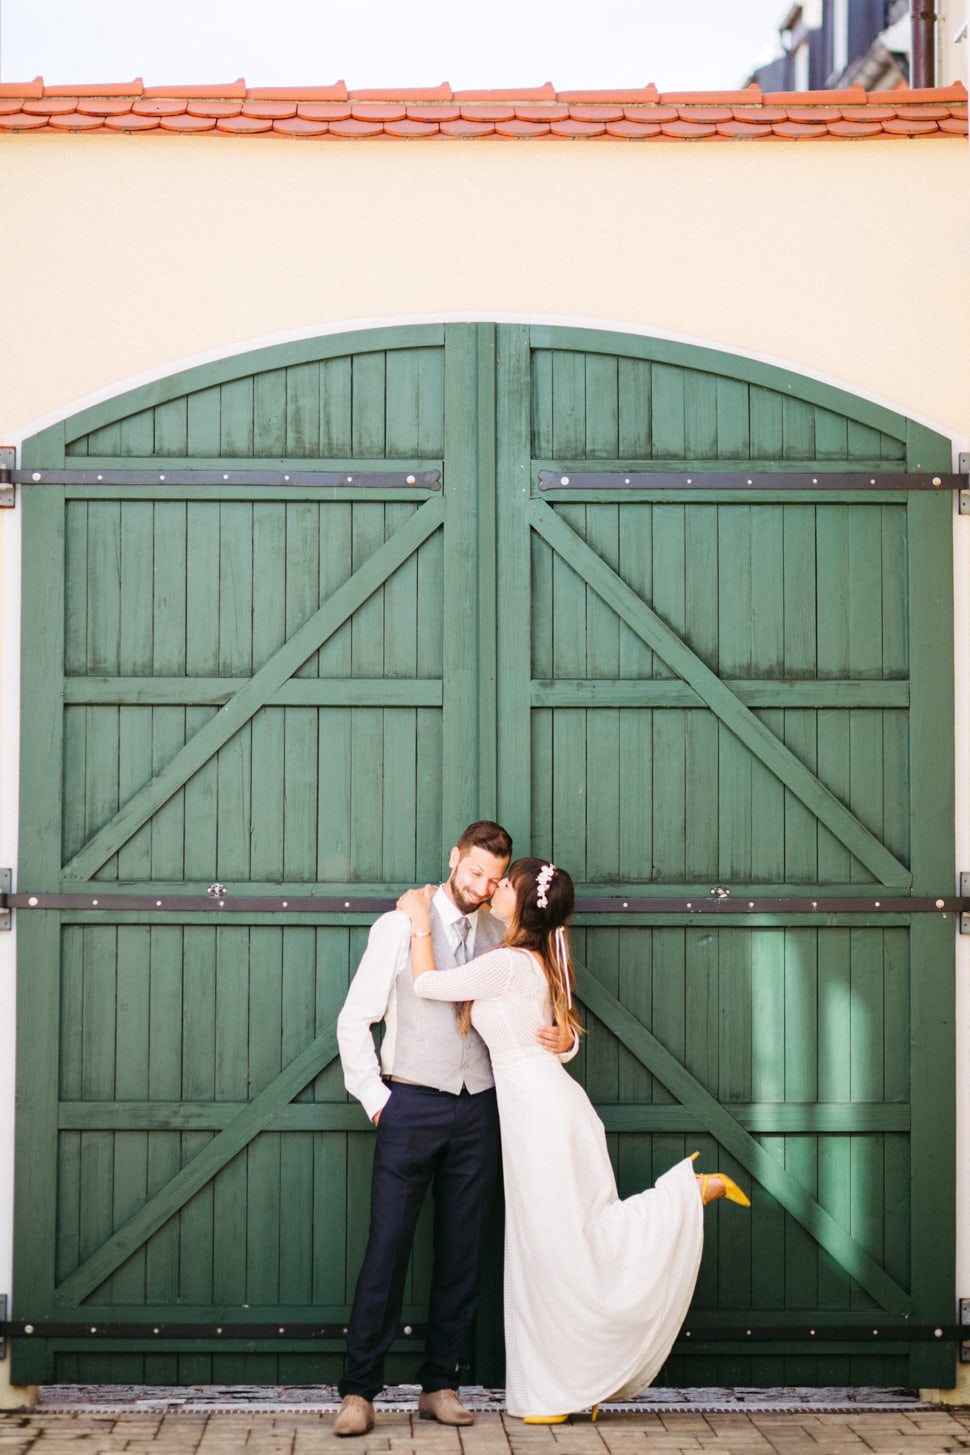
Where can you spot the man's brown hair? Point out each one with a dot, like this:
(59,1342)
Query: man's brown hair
(486,835)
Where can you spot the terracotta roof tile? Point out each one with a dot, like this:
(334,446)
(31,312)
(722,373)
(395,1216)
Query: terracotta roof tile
(903,127)
(300,126)
(515,127)
(20,121)
(542,113)
(244,125)
(574,127)
(108,106)
(270,110)
(762,115)
(75,121)
(685,129)
(336,92)
(429,93)
(162,106)
(49,107)
(854,96)
(798,130)
(104,88)
(132,122)
(353,127)
(634,130)
(436,114)
(237,90)
(488,113)
(596,112)
(612,98)
(652,113)
(530,113)
(323,111)
(187,123)
(32,90)
(528,93)
(409,128)
(215,109)
(855,128)
(872,112)
(464,127)
(923,113)
(708,98)
(712,114)
(382,111)
(740,129)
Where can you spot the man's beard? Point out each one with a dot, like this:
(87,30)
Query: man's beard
(462,902)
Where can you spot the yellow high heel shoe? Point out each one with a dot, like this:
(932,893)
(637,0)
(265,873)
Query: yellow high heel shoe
(732,1191)
(544,1419)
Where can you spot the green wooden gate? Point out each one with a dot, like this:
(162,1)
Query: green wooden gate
(289,621)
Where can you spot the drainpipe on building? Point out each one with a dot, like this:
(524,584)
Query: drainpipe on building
(922,67)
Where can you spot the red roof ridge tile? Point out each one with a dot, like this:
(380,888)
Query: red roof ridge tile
(525,93)
(852,96)
(336,92)
(236,91)
(103,88)
(629,96)
(25,90)
(905,95)
(526,113)
(751,94)
(417,94)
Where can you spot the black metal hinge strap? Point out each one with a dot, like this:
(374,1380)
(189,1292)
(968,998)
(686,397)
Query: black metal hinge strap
(346,479)
(872,1332)
(715,902)
(867,480)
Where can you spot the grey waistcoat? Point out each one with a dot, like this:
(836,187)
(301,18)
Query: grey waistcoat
(428,1047)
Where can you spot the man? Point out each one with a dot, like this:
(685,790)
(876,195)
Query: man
(432,1099)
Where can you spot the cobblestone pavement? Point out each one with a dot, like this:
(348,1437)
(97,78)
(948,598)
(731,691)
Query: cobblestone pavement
(184,1432)
(220,1424)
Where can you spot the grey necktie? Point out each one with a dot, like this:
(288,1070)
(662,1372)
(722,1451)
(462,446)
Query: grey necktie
(462,927)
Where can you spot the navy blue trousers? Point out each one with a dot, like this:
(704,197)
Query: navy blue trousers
(452,1142)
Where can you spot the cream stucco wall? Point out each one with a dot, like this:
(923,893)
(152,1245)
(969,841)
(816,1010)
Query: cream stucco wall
(127,255)
(123,258)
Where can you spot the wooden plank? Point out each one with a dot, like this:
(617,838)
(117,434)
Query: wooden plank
(130,1047)
(721,700)
(269,413)
(200,1170)
(488,572)
(188,382)
(731,366)
(303,411)
(769,1118)
(748,1152)
(368,404)
(164,1082)
(251,697)
(460,785)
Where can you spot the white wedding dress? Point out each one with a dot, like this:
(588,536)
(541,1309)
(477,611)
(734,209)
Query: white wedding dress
(596,1288)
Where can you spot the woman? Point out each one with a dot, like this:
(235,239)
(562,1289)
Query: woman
(596,1288)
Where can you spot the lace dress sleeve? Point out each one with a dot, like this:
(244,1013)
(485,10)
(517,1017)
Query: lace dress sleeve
(480,979)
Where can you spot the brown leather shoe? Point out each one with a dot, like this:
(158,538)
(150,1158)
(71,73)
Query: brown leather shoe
(444,1406)
(356,1416)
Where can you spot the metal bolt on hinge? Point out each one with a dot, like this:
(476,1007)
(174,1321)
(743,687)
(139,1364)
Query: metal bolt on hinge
(3,1320)
(8,461)
(965,1320)
(965,894)
(6,879)
(963,468)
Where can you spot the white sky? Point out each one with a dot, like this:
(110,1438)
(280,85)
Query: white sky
(679,44)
